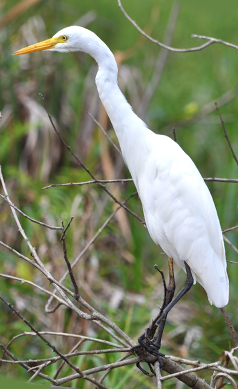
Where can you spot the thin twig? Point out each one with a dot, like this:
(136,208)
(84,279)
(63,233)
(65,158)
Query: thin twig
(105,133)
(198,48)
(214,40)
(49,277)
(226,135)
(223,375)
(23,281)
(28,217)
(62,363)
(76,289)
(215,179)
(194,369)
(122,180)
(42,337)
(26,367)
(71,354)
(67,335)
(230,326)
(158,375)
(174,134)
(230,229)
(230,244)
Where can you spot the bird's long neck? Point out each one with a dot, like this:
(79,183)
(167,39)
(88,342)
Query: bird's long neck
(129,128)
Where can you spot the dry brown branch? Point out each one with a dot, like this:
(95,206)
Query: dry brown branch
(230,326)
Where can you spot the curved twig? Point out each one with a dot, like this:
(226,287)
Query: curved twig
(173,49)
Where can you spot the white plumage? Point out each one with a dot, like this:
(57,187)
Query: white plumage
(179,211)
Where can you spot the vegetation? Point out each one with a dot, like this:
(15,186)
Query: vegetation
(117,273)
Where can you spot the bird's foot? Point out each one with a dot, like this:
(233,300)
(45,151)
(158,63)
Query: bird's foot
(147,346)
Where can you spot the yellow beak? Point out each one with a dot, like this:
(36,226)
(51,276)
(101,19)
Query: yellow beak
(44,45)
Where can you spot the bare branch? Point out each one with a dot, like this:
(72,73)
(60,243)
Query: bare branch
(174,134)
(214,40)
(122,180)
(230,326)
(76,289)
(230,229)
(230,244)
(28,217)
(198,48)
(25,366)
(224,375)
(41,337)
(158,375)
(194,369)
(231,180)
(226,135)
(64,334)
(105,133)
(23,281)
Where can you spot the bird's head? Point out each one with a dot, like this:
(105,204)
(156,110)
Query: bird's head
(72,38)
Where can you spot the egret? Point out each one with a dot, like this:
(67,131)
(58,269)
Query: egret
(178,208)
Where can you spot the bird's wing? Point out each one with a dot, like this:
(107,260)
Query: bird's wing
(180,213)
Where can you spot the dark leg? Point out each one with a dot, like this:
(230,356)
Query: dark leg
(169,294)
(147,340)
(188,284)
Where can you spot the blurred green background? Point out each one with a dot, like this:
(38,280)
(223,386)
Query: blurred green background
(121,261)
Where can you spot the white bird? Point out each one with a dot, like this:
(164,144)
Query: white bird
(179,211)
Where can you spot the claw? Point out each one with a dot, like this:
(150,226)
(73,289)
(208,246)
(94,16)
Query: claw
(144,371)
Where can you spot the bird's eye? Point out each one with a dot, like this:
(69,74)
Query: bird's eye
(64,37)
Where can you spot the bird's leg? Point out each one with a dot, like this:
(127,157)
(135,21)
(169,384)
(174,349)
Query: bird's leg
(188,284)
(148,341)
(169,294)
(145,341)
